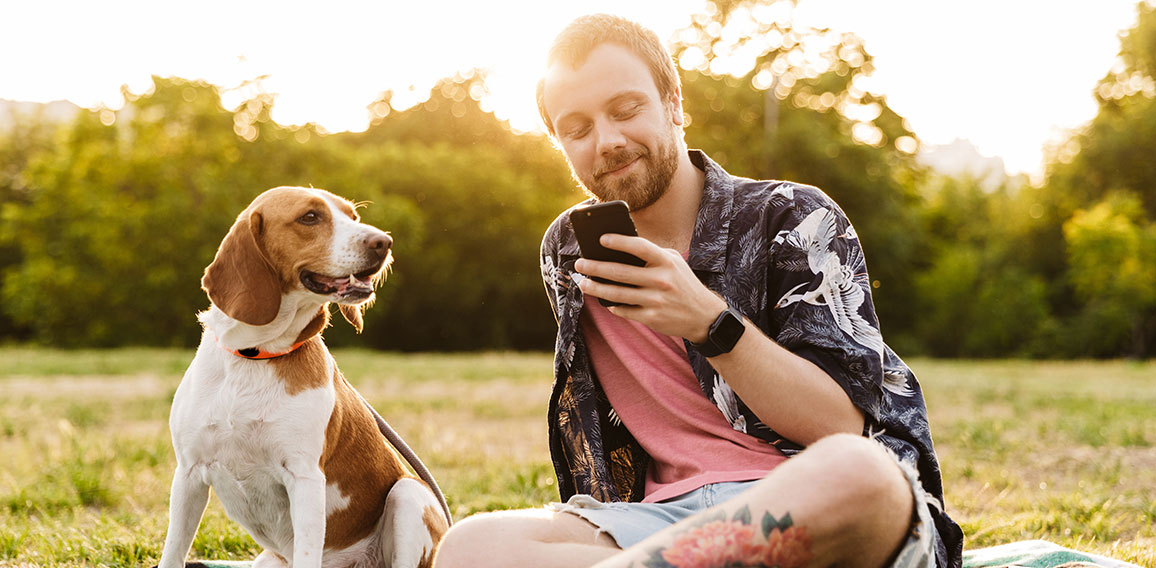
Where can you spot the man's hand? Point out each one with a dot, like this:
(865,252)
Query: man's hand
(668,299)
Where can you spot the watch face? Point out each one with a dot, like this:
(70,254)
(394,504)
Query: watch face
(728,330)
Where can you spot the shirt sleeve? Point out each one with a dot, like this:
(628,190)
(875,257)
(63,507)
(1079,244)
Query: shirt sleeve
(819,293)
(548,264)
(555,276)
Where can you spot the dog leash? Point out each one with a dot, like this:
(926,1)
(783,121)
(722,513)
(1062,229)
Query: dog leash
(411,458)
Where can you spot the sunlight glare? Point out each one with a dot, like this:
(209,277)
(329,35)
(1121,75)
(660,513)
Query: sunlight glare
(866,133)
(328,65)
(693,59)
(907,144)
(763,80)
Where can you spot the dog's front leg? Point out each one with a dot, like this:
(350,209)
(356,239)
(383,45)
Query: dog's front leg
(187,501)
(306,488)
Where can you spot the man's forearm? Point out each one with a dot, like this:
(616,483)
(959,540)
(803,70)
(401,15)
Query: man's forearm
(790,394)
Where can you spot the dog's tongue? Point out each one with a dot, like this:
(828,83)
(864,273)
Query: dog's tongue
(346,284)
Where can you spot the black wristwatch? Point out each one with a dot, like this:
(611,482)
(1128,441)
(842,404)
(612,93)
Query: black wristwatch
(724,334)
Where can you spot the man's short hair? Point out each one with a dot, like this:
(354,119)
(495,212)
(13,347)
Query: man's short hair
(574,44)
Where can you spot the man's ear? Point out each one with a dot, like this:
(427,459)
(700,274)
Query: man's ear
(353,316)
(675,102)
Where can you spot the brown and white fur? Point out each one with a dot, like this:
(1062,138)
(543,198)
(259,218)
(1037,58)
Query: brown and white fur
(286,444)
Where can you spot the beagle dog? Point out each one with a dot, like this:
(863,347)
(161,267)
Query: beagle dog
(264,417)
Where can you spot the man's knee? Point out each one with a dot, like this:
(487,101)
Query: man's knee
(861,473)
(870,492)
(467,540)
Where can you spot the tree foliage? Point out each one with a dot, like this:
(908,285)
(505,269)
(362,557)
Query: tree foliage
(978,274)
(771,100)
(109,219)
(1114,151)
(117,218)
(1101,192)
(1112,265)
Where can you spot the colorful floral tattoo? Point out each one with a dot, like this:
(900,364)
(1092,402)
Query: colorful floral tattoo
(736,543)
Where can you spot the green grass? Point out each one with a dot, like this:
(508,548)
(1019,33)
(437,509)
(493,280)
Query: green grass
(1060,451)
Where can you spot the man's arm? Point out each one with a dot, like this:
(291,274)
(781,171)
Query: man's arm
(788,393)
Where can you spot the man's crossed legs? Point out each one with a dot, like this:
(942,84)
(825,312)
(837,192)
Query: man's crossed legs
(843,501)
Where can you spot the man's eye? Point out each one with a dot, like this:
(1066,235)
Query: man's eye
(310,218)
(576,133)
(627,112)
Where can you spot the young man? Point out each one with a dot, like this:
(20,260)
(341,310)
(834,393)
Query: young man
(740,408)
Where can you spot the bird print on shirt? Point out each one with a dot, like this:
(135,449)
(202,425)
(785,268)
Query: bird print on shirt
(839,289)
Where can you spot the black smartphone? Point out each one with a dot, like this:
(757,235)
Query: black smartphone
(593,221)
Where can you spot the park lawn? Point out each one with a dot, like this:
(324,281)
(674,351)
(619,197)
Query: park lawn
(1063,451)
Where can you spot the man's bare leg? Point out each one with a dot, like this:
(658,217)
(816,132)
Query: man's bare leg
(842,502)
(529,537)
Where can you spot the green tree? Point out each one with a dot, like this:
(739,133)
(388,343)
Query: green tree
(1114,151)
(768,99)
(119,216)
(1090,174)
(478,198)
(978,298)
(27,139)
(118,220)
(1112,254)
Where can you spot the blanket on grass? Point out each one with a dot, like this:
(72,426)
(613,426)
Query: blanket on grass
(1036,554)
(1027,553)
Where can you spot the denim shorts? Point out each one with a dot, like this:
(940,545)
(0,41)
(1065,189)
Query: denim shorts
(631,523)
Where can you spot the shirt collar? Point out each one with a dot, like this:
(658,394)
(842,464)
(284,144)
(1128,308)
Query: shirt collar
(708,245)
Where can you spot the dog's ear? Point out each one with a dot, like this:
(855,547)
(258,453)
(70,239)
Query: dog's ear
(353,316)
(240,280)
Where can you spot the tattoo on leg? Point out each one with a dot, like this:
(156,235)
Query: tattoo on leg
(736,543)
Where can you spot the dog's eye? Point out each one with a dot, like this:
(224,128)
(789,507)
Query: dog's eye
(310,218)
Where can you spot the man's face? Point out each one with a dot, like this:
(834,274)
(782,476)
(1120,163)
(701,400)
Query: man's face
(620,138)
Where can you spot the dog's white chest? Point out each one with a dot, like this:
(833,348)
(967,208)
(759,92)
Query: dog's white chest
(244,435)
(250,420)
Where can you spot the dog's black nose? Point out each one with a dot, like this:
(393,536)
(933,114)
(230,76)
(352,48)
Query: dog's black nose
(379,245)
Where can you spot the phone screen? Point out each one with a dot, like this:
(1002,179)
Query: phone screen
(591,222)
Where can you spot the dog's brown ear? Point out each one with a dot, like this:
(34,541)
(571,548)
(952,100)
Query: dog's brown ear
(240,280)
(353,316)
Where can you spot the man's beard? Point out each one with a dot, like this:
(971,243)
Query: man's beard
(638,189)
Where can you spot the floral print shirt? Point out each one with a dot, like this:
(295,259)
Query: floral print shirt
(786,256)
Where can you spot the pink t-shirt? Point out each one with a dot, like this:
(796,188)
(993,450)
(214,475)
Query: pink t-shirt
(649,381)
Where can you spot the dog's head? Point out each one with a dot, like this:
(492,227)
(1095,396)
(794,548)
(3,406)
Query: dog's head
(295,238)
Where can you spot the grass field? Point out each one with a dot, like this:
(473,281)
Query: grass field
(1060,451)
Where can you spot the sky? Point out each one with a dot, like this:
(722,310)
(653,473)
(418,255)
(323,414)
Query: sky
(1011,76)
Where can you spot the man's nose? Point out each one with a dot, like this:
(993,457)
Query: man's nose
(610,137)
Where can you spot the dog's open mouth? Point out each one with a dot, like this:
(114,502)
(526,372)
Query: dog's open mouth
(353,287)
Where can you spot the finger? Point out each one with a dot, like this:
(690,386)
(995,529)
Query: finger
(610,292)
(625,311)
(612,271)
(638,246)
